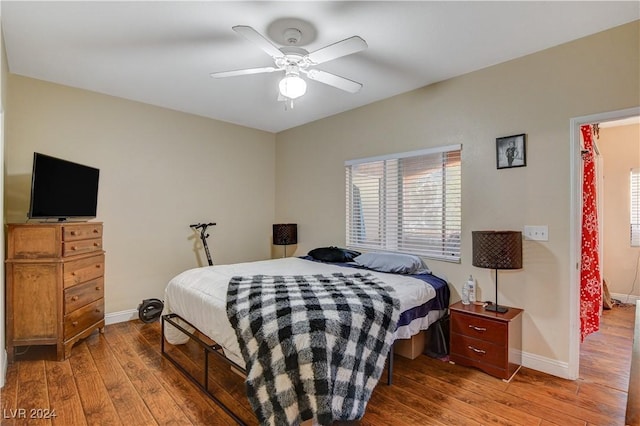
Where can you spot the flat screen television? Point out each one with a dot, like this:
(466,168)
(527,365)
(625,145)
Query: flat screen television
(61,189)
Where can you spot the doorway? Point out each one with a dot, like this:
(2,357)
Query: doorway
(575,224)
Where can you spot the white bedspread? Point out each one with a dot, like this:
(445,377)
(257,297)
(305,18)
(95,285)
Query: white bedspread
(200,296)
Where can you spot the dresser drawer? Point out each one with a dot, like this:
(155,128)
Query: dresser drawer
(82,232)
(478,350)
(27,241)
(73,248)
(83,270)
(80,319)
(82,294)
(480,328)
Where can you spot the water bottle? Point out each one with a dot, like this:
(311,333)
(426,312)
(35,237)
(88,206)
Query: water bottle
(471,289)
(465,294)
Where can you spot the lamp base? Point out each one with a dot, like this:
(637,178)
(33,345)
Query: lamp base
(496,308)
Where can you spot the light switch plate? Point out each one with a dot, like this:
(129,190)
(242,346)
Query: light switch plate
(536,233)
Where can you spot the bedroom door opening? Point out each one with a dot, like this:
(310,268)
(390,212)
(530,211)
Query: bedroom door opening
(576,222)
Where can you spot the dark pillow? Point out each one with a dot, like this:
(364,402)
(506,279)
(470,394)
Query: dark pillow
(333,254)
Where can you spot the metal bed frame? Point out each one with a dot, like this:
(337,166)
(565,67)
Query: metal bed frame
(216,349)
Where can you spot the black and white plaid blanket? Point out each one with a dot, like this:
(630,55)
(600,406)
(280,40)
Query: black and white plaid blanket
(314,345)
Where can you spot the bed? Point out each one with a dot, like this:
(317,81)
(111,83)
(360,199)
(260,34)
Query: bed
(196,300)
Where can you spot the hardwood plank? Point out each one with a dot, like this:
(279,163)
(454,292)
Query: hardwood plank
(63,394)
(130,407)
(452,376)
(32,393)
(198,407)
(432,403)
(574,405)
(537,378)
(8,397)
(632,412)
(227,386)
(96,403)
(604,395)
(484,406)
(162,406)
(400,414)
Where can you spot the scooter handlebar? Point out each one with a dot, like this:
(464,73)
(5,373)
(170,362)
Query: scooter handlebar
(201,225)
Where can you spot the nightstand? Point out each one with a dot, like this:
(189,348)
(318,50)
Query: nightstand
(489,341)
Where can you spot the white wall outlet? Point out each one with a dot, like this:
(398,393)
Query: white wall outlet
(536,233)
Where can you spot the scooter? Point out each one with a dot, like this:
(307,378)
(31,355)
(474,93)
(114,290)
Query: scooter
(203,236)
(151,309)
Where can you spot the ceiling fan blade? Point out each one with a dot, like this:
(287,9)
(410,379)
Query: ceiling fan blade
(246,71)
(255,37)
(336,50)
(334,80)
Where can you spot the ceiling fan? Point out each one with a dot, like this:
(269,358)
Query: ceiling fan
(294,60)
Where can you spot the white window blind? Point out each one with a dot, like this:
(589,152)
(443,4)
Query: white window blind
(408,202)
(635,207)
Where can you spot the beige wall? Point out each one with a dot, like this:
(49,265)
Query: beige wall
(160,171)
(3,92)
(536,95)
(620,150)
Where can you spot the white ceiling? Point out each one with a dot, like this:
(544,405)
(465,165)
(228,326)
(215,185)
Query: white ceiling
(162,52)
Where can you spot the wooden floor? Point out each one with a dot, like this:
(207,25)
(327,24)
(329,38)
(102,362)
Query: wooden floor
(119,378)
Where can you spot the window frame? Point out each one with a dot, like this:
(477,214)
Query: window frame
(634,207)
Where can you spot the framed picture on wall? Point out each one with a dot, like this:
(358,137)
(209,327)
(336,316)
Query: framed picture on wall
(511,151)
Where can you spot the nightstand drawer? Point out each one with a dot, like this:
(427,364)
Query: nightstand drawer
(480,328)
(487,340)
(478,350)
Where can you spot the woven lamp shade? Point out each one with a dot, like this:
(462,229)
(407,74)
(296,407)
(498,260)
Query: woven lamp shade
(285,234)
(497,249)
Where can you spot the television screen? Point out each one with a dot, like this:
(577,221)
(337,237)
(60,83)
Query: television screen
(62,189)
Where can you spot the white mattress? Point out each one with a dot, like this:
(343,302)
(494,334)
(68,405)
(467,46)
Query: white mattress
(200,297)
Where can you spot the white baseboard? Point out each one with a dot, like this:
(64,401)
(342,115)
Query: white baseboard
(546,365)
(122,316)
(3,367)
(625,298)
(559,368)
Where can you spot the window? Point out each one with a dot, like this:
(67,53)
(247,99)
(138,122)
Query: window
(635,207)
(409,203)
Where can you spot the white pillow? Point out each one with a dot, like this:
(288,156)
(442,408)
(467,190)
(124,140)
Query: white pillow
(393,262)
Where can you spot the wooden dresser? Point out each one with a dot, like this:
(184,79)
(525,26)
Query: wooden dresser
(54,284)
(486,340)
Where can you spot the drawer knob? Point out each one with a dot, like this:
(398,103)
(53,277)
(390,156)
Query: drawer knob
(75,323)
(476,350)
(73,233)
(73,274)
(74,248)
(95,231)
(476,328)
(74,298)
(98,287)
(96,244)
(97,309)
(98,266)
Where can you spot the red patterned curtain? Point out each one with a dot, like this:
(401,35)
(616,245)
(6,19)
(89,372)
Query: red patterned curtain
(590,280)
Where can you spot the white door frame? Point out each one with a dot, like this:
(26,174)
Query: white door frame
(575,222)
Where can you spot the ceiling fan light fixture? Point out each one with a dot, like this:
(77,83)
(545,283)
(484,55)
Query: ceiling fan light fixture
(292,86)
